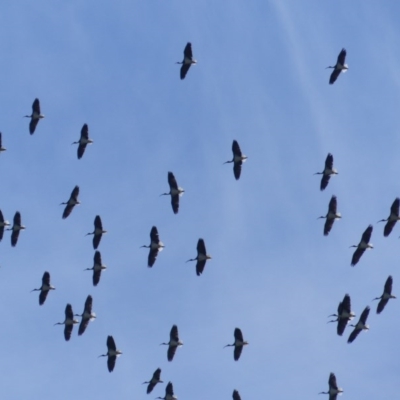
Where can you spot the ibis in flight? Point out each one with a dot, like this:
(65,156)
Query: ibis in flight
(188,60)
(97,268)
(387,294)
(3,224)
(173,343)
(169,393)
(238,344)
(35,116)
(392,218)
(327,172)
(98,232)
(361,325)
(155,246)
(87,315)
(339,67)
(344,314)
(236,395)
(237,160)
(201,258)
(83,141)
(362,246)
(112,353)
(16,228)
(156,378)
(334,390)
(71,203)
(1,144)
(331,215)
(45,288)
(68,322)
(174,191)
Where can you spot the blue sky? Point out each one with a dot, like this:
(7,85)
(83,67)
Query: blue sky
(260,79)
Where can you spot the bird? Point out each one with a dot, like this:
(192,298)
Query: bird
(174,191)
(339,67)
(169,393)
(188,60)
(344,314)
(69,322)
(387,294)
(392,218)
(72,202)
(327,172)
(362,246)
(360,325)
(97,268)
(238,344)
(237,160)
(83,141)
(87,315)
(112,353)
(1,143)
(334,390)
(45,288)
(236,395)
(201,258)
(173,343)
(155,246)
(3,224)
(331,215)
(16,228)
(156,378)
(35,116)
(98,232)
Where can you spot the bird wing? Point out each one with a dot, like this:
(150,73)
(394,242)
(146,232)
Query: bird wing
(364,315)
(111,363)
(97,258)
(81,150)
(85,132)
(334,75)
(184,70)
(236,149)
(333,396)
(111,343)
(1,232)
(88,304)
(237,169)
(388,285)
(329,161)
(14,237)
(381,305)
(175,203)
(67,210)
(83,325)
(237,352)
(238,334)
(157,374)
(171,352)
(332,381)
(341,326)
(154,235)
(46,279)
(333,205)
(172,181)
(388,228)
(353,335)
(97,223)
(36,107)
(328,225)
(68,331)
(324,181)
(201,247)
(342,57)
(17,218)
(236,395)
(96,277)
(200,267)
(366,236)
(42,296)
(75,193)
(346,303)
(174,335)
(1,213)
(32,125)
(1,141)
(187,53)
(153,253)
(151,386)
(69,314)
(96,240)
(169,390)
(356,256)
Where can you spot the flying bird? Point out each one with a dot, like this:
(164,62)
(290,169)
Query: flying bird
(174,191)
(3,224)
(237,160)
(112,353)
(334,390)
(35,116)
(327,172)
(387,294)
(362,246)
(68,322)
(44,289)
(87,315)
(71,203)
(16,228)
(344,314)
(156,378)
(238,344)
(169,393)
(339,67)
(361,325)
(98,232)
(1,144)
(155,246)
(83,141)
(392,218)
(331,215)
(187,60)
(201,258)
(97,268)
(173,343)
(236,395)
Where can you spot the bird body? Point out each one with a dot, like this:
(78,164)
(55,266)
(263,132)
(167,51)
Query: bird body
(188,60)
(35,116)
(344,314)
(361,325)
(174,191)
(334,390)
(237,160)
(155,246)
(340,66)
(16,228)
(327,172)
(156,378)
(72,202)
(98,232)
(69,322)
(392,218)
(83,141)
(87,315)
(97,268)
(362,246)
(331,215)
(45,288)
(173,343)
(386,296)
(201,258)
(112,353)
(238,344)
